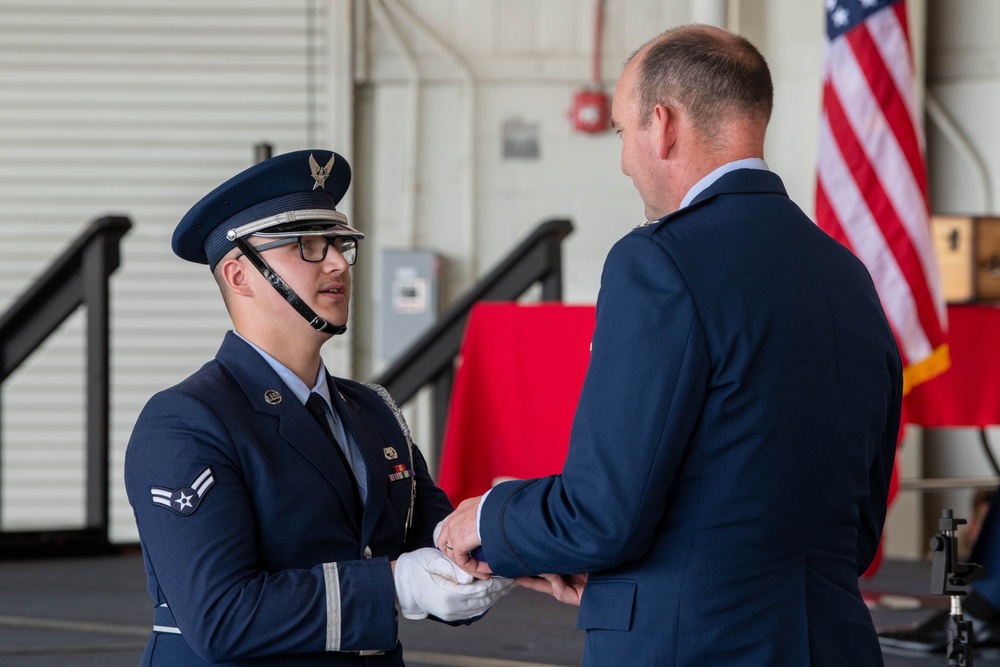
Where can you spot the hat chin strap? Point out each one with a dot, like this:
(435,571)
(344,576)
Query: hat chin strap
(314,320)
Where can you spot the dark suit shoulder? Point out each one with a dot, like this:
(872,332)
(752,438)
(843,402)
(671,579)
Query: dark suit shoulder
(734,194)
(210,384)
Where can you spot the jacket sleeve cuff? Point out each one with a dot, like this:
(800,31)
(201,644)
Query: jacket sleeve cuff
(360,605)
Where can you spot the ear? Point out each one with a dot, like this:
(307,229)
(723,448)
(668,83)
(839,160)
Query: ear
(234,274)
(665,123)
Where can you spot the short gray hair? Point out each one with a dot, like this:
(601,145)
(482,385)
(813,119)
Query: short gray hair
(712,74)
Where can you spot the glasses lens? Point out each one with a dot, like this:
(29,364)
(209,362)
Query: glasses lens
(314,248)
(347,247)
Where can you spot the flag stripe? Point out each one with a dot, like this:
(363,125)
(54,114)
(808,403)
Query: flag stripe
(870,246)
(887,32)
(825,210)
(871,179)
(899,9)
(871,65)
(882,147)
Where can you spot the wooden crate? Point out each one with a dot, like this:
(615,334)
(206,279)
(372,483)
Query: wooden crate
(968,251)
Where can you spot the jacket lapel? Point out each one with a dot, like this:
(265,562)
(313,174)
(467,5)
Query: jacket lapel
(267,394)
(300,430)
(372,447)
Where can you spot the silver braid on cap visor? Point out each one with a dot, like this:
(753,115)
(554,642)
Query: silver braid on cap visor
(315,321)
(306,215)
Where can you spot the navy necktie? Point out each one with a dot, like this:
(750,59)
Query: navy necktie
(317,407)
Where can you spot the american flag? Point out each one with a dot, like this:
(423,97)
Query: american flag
(872,186)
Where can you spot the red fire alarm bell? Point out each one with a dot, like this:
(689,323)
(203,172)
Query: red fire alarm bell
(591,111)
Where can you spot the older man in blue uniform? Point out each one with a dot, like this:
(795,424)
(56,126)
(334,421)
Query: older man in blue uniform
(284,513)
(729,460)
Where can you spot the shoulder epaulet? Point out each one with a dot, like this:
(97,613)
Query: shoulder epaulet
(397,413)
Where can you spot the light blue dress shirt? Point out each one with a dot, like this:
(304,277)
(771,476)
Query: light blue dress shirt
(344,438)
(712,177)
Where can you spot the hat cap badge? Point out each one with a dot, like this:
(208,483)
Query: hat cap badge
(320,174)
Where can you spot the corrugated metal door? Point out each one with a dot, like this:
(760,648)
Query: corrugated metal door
(136,108)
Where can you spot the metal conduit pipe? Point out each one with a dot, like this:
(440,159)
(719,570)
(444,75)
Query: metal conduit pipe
(469,128)
(953,134)
(413,134)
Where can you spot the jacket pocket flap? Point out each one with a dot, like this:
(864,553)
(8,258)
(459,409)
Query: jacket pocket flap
(607,605)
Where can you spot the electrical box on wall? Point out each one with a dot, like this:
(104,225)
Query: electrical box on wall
(409,303)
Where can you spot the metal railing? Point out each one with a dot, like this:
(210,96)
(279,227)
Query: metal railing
(431,358)
(79,277)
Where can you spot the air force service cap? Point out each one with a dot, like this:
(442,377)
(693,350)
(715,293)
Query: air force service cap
(292,194)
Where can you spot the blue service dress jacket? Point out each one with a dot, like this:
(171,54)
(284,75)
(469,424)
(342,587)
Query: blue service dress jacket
(254,549)
(731,451)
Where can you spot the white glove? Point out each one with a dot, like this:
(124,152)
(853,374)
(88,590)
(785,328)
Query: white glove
(437,531)
(428,583)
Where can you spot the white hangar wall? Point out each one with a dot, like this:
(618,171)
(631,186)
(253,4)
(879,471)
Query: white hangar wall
(138,108)
(520,62)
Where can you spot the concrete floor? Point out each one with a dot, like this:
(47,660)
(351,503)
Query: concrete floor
(90,611)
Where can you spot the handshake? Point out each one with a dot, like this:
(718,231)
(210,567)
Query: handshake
(428,584)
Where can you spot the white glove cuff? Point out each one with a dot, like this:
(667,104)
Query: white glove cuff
(401,576)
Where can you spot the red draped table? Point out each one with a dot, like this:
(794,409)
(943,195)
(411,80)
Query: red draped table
(522,368)
(968,393)
(516,387)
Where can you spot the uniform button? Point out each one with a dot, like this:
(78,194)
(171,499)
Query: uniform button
(368,552)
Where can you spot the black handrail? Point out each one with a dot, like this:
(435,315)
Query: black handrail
(430,359)
(77,277)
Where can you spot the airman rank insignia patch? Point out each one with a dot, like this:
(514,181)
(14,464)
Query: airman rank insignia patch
(186,499)
(400,472)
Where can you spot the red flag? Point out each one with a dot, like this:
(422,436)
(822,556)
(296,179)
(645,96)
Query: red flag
(872,186)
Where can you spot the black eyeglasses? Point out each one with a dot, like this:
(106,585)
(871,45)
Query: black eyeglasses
(314,248)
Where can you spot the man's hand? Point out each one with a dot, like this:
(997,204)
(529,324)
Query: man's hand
(567,588)
(427,583)
(458,535)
